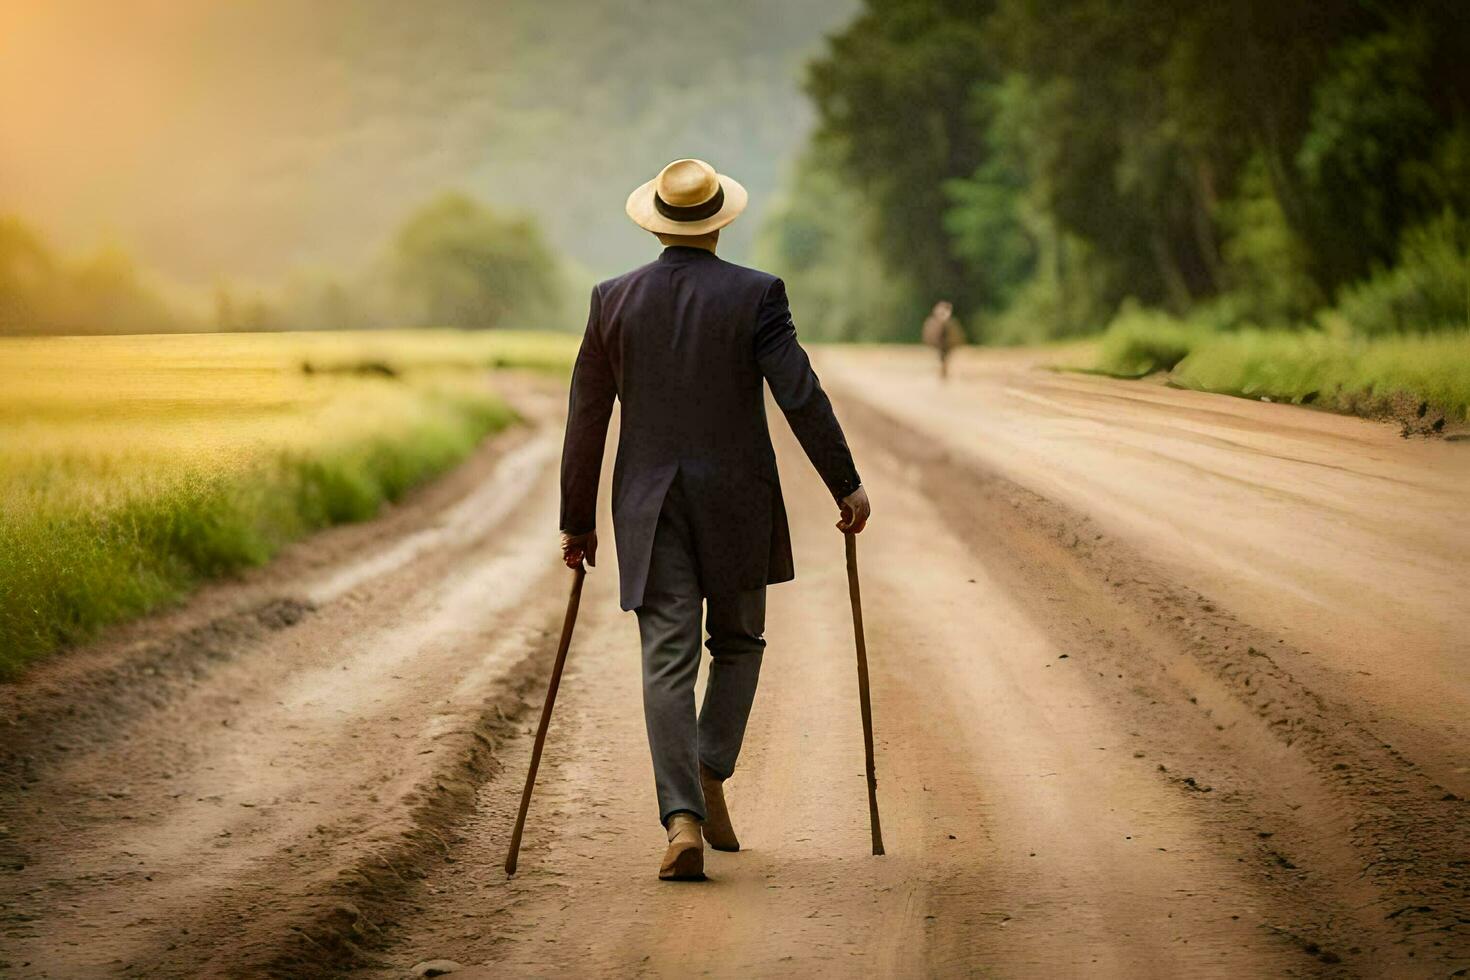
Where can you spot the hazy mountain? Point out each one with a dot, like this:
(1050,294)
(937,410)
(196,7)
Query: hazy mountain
(231,139)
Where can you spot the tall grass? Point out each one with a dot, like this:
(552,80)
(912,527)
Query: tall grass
(133,468)
(1363,375)
(1141,341)
(1331,368)
(1428,288)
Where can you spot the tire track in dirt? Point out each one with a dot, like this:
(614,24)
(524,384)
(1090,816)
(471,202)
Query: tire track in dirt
(1069,785)
(1085,766)
(1331,533)
(1334,820)
(245,793)
(88,696)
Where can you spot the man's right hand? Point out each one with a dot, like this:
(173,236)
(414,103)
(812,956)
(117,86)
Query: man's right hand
(855,511)
(576,547)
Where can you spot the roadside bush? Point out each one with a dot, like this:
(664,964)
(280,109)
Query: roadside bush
(1141,341)
(1353,374)
(1386,375)
(1063,301)
(1429,288)
(1266,265)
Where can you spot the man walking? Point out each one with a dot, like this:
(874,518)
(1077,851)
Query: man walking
(687,344)
(944,333)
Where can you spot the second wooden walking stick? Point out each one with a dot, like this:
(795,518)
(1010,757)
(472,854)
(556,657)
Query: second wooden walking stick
(863,697)
(573,601)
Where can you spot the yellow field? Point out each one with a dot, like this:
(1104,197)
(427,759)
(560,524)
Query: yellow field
(132,467)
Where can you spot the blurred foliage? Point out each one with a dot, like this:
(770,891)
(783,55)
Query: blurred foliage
(452,263)
(819,240)
(457,263)
(1248,162)
(1426,288)
(1141,341)
(104,293)
(1266,267)
(894,91)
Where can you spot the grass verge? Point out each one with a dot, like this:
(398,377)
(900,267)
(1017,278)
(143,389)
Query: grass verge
(133,469)
(1421,380)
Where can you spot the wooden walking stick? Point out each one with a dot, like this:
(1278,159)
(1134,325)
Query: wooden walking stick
(573,601)
(862,665)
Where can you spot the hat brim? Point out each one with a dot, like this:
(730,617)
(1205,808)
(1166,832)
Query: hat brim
(641,209)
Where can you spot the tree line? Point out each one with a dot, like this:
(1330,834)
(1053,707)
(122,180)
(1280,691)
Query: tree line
(1039,162)
(454,262)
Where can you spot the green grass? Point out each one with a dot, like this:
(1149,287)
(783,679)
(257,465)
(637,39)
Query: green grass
(134,468)
(1359,375)
(1140,342)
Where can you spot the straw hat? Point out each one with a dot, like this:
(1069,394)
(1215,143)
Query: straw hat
(687,198)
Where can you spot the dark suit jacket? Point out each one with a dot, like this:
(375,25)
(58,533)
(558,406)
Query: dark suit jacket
(685,342)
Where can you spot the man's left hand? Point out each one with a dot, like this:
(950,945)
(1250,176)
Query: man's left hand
(576,547)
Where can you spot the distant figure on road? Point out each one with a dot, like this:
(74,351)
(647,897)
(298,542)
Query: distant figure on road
(944,333)
(688,344)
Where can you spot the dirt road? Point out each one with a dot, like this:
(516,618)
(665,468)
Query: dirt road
(1346,541)
(1110,744)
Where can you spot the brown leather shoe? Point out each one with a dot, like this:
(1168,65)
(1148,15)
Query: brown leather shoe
(717,827)
(684,860)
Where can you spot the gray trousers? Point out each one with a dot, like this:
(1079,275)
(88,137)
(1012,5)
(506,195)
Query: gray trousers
(669,625)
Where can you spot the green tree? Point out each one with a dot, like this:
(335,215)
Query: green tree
(994,221)
(27,275)
(1370,118)
(103,293)
(1253,155)
(893,91)
(819,236)
(457,263)
(1268,266)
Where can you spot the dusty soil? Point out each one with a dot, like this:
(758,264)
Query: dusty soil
(1116,634)
(1343,539)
